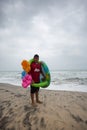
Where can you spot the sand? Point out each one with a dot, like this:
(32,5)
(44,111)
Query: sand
(60,110)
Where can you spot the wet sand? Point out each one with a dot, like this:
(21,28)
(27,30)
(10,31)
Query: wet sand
(60,110)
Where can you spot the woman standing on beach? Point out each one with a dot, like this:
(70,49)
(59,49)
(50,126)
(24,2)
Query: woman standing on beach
(35,73)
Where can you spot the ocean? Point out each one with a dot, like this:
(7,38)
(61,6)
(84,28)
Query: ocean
(60,80)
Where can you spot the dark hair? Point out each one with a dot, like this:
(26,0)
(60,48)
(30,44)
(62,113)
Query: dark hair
(36,55)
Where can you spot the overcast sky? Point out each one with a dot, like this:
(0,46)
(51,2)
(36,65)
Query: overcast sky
(54,29)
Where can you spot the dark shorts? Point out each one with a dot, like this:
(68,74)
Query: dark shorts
(34,89)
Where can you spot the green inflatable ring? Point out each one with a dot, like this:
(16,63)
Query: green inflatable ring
(43,83)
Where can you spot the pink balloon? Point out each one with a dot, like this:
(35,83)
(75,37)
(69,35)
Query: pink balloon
(29,82)
(24,85)
(28,77)
(26,81)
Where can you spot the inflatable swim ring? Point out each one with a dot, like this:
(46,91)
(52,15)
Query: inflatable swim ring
(43,83)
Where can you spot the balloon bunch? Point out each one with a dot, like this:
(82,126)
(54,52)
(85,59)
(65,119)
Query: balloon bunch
(26,78)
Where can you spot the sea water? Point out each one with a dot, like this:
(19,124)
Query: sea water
(60,80)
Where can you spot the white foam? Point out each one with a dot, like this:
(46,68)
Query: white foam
(66,87)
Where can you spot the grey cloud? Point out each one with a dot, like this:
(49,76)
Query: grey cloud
(55,29)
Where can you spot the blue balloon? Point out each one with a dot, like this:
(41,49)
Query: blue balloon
(23,74)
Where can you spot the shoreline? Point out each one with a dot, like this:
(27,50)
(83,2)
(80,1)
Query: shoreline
(61,89)
(61,110)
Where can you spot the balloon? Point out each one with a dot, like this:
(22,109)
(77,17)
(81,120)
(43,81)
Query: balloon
(26,65)
(26,81)
(28,77)
(23,74)
(24,85)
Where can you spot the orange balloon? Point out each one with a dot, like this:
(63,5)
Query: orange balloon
(26,65)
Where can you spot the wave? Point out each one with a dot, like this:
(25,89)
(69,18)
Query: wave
(57,77)
(79,81)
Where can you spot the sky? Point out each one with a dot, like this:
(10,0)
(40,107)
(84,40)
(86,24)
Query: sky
(54,29)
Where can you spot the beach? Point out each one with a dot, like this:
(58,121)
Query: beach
(60,110)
